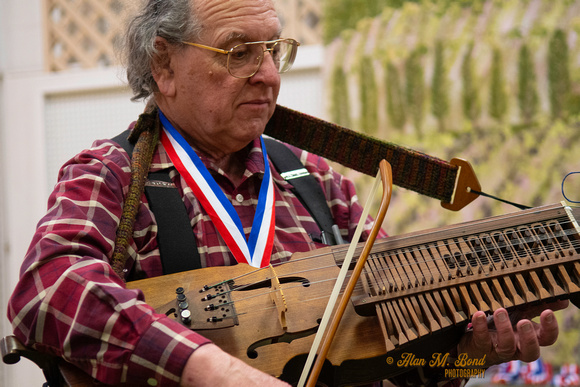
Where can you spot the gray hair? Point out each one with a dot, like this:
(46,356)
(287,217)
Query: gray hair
(172,20)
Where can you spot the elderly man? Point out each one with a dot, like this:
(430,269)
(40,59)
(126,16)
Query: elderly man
(212,68)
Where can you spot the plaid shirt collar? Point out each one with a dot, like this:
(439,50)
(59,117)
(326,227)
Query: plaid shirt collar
(254,163)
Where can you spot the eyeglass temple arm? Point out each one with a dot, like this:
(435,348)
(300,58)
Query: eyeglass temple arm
(207,47)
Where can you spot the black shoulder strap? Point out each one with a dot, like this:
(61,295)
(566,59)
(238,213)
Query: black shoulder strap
(306,188)
(177,245)
(123,140)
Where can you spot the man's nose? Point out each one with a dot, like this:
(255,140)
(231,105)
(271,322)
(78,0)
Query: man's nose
(268,71)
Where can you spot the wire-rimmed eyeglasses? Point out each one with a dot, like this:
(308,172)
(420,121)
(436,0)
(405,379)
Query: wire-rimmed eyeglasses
(244,60)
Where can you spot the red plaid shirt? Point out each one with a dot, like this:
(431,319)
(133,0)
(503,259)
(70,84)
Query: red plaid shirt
(70,303)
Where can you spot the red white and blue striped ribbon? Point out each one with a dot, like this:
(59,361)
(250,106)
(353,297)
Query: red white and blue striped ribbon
(256,250)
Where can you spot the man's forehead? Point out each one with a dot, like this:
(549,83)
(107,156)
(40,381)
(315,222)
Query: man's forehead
(225,21)
(233,8)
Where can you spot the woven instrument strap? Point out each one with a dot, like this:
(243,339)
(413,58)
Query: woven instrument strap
(424,174)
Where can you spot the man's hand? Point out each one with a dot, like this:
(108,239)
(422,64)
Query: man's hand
(210,366)
(512,337)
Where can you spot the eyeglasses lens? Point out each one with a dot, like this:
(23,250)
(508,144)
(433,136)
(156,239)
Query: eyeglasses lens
(245,59)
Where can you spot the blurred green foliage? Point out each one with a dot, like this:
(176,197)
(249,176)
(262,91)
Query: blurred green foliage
(340,15)
(494,82)
(470,93)
(439,87)
(395,97)
(415,88)
(527,88)
(558,74)
(497,95)
(368,95)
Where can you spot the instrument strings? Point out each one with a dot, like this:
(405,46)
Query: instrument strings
(479,257)
(311,296)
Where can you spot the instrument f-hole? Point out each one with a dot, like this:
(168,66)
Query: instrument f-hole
(267,283)
(286,337)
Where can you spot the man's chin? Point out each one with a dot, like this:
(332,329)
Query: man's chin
(254,126)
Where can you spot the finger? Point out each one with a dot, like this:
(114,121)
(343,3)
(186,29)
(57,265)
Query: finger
(548,332)
(528,341)
(506,338)
(481,338)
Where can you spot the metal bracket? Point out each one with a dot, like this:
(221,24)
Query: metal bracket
(464,183)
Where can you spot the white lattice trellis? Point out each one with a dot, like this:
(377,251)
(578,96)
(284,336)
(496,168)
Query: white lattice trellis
(83,33)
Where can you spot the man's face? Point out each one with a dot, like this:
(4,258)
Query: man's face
(216,112)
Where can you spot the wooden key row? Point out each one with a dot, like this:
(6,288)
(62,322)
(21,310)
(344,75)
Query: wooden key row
(404,319)
(417,289)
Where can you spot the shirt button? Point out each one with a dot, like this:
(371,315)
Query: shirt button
(240,198)
(152,382)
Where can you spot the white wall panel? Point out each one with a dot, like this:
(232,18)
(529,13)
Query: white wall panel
(74,120)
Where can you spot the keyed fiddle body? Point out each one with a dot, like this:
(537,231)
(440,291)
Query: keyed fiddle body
(237,313)
(416,295)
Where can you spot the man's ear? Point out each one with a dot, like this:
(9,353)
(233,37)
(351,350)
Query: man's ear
(161,67)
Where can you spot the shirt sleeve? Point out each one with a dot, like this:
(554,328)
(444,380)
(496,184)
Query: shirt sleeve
(70,303)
